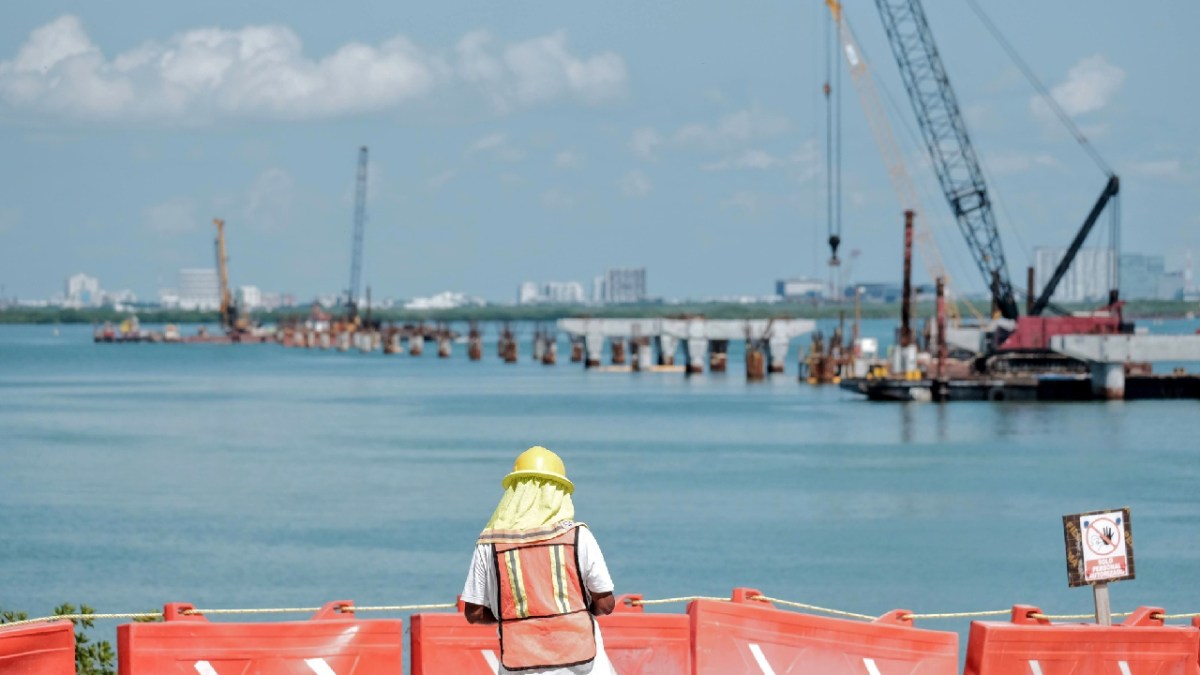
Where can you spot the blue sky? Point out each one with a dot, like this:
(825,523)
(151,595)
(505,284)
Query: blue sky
(548,141)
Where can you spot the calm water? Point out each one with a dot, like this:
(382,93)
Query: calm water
(132,475)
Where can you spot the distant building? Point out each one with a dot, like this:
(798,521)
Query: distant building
(1171,286)
(528,293)
(1088,278)
(799,289)
(625,285)
(82,291)
(444,300)
(1140,275)
(598,290)
(550,292)
(199,288)
(250,297)
(877,292)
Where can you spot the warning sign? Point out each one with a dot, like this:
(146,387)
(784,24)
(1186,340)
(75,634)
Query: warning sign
(1099,547)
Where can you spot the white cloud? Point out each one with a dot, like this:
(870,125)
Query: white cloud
(568,159)
(270,201)
(743,201)
(498,145)
(557,200)
(489,142)
(644,141)
(747,159)
(173,216)
(200,75)
(1161,168)
(809,161)
(537,70)
(635,184)
(436,182)
(739,127)
(1011,162)
(1090,86)
(730,134)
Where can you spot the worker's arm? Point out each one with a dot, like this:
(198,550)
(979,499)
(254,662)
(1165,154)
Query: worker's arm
(483,615)
(603,603)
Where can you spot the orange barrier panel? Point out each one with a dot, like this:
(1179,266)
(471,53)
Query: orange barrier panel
(38,649)
(1141,645)
(637,643)
(1196,624)
(332,642)
(751,636)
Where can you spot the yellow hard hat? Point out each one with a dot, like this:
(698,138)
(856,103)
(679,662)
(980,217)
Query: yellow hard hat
(538,462)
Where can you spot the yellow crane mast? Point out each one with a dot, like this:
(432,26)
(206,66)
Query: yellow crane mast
(228,311)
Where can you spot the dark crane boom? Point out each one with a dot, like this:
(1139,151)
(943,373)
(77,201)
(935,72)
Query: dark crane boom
(945,134)
(360,221)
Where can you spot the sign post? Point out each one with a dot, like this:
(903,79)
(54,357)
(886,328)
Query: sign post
(1099,550)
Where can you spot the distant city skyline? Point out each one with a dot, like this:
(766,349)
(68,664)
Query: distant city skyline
(553,141)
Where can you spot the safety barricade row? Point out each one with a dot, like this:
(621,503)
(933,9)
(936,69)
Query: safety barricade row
(746,634)
(38,649)
(1029,644)
(331,642)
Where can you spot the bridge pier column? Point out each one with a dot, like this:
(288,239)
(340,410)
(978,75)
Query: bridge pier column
(666,349)
(416,344)
(618,351)
(777,349)
(695,350)
(1108,380)
(717,355)
(641,353)
(594,346)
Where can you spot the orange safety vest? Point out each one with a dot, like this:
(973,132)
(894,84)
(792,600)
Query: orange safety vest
(544,619)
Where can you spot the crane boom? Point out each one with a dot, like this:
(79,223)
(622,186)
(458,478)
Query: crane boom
(945,134)
(889,149)
(228,311)
(360,220)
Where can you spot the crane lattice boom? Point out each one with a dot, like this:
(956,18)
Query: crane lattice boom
(360,220)
(945,135)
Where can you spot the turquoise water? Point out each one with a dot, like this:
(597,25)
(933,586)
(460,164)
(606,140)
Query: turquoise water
(252,476)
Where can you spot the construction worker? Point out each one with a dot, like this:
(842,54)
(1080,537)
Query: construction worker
(540,575)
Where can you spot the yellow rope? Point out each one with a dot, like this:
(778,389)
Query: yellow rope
(686,598)
(400,608)
(814,608)
(1072,617)
(70,617)
(959,615)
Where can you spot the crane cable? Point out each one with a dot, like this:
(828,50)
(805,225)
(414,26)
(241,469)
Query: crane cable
(1041,88)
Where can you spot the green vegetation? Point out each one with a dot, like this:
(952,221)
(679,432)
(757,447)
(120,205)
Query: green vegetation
(1138,309)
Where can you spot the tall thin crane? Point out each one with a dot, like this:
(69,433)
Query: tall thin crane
(228,310)
(945,134)
(360,221)
(889,149)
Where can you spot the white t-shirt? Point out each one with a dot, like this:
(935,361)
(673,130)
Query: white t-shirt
(480,589)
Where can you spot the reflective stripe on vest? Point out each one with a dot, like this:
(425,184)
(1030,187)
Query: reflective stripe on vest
(544,619)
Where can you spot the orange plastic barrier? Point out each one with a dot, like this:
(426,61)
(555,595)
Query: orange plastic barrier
(332,642)
(1141,645)
(38,649)
(637,643)
(751,636)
